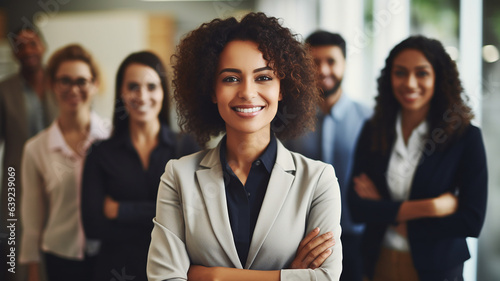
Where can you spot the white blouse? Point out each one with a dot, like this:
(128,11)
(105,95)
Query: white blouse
(402,166)
(50,202)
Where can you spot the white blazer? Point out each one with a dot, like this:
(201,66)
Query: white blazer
(192,222)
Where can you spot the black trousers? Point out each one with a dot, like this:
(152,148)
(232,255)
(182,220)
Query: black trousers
(352,262)
(454,274)
(62,269)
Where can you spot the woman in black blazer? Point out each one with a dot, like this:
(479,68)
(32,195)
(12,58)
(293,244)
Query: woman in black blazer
(420,176)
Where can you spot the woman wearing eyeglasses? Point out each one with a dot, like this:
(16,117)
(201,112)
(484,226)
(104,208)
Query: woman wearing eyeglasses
(51,172)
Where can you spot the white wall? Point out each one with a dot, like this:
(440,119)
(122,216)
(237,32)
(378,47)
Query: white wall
(109,36)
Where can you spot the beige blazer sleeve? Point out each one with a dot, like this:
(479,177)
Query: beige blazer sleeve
(167,257)
(192,222)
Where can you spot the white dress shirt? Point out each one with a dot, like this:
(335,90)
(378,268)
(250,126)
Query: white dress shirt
(402,166)
(50,203)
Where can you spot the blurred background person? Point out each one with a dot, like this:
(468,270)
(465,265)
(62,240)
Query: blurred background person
(51,171)
(121,175)
(420,171)
(333,141)
(25,109)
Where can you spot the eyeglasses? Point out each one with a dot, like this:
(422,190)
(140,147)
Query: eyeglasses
(65,83)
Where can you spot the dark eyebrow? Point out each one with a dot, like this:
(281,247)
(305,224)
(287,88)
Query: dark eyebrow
(262,69)
(239,71)
(424,66)
(417,67)
(230,70)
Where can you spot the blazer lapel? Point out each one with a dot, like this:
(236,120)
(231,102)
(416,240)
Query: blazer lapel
(425,172)
(50,108)
(281,180)
(19,103)
(212,186)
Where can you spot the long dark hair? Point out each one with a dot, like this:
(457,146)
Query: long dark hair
(448,109)
(120,115)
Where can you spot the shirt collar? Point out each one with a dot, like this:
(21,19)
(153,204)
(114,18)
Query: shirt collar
(56,140)
(26,86)
(166,137)
(268,158)
(420,130)
(99,129)
(340,108)
(417,135)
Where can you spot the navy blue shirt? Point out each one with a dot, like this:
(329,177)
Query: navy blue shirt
(244,201)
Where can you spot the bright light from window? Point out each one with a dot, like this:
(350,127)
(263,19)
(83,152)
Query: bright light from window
(452,51)
(490,53)
(180,1)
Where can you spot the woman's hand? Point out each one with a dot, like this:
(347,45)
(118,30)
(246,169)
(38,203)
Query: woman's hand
(445,204)
(365,188)
(203,273)
(111,208)
(441,206)
(313,250)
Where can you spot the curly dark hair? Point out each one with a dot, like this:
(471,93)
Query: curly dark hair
(448,109)
(120,117)
(197,58)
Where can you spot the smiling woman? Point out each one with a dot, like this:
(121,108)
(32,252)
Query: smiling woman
(420,175)
(142,93)
(248,209)
(51,171)
(247,91)
(120,177)
(413,80)
(70,74)
(288,59)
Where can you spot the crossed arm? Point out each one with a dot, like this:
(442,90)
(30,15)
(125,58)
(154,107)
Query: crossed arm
(459,216)
(168,257)
(311,253)
(441,206)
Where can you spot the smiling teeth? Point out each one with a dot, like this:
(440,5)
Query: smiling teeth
(412,95)
(248,110)
(144,107)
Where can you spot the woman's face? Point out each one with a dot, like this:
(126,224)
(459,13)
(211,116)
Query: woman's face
(413,80)
(142,93)
(247,90)
(74,86)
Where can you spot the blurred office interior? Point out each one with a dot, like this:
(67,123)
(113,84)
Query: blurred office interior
(470,30)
